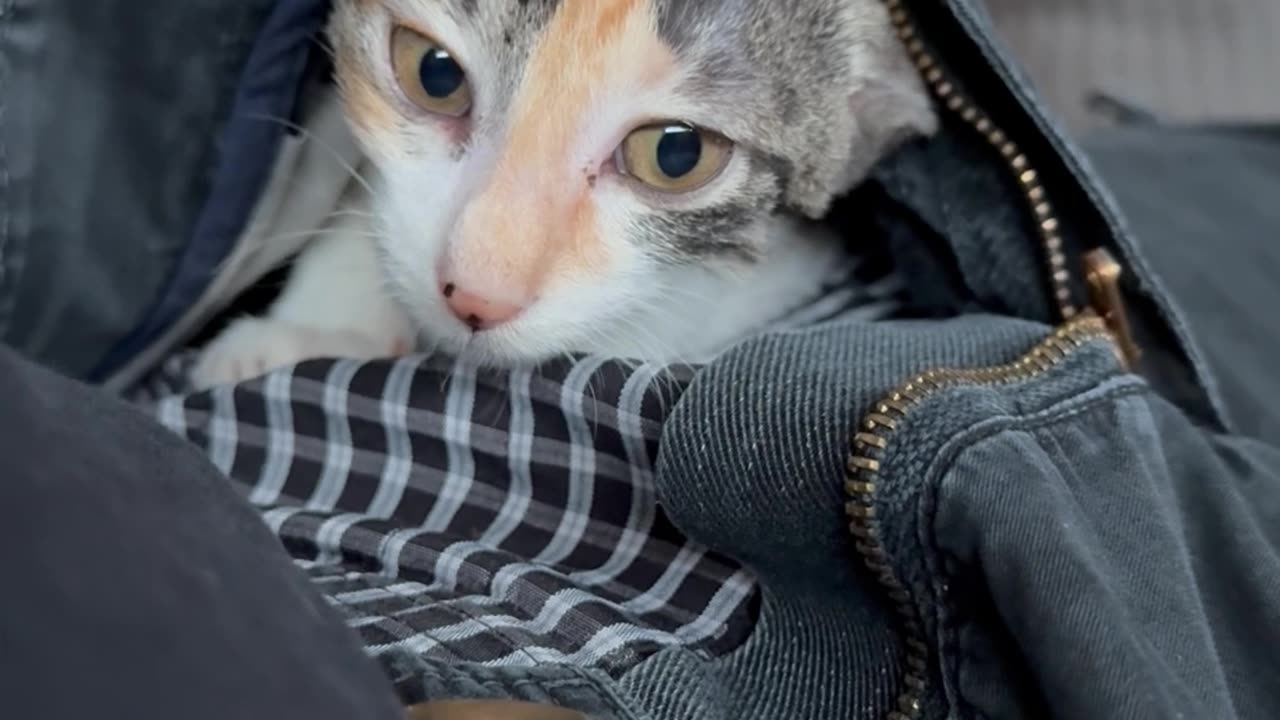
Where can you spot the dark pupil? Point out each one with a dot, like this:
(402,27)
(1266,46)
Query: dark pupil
(439,74)
(679,151)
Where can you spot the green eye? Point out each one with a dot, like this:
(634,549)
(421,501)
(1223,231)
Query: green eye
(674,157)
(428,74)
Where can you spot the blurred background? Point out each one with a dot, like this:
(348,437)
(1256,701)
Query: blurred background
(1181,60)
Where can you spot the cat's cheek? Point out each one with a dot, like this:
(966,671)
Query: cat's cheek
(418,204)
(618,215)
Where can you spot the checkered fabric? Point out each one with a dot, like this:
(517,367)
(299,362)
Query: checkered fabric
(499,518)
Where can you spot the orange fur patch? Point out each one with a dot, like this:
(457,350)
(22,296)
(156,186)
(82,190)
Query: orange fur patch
(536,218)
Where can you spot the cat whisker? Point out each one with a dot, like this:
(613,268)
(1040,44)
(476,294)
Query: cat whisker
(352,212)
(312,137)
(664,377)
(666,353)
(321,233)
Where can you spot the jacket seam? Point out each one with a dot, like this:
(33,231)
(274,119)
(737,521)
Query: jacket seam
(557,689)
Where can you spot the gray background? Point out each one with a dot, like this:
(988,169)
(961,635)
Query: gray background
(1186,60)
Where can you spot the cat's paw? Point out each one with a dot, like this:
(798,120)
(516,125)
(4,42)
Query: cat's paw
(251,347)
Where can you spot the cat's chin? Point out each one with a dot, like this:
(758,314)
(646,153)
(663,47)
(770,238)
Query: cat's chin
(498,351)
(515,346)
(480,350)
(501,348)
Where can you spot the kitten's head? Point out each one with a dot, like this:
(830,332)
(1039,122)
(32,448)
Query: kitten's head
(559,173)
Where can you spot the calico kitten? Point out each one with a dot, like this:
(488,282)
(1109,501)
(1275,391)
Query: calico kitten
(624,177)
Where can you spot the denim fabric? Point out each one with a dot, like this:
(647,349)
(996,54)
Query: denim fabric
(108,114)
(1075,545)
(752,465)
(1106,551)
(590,692)
(1202,205)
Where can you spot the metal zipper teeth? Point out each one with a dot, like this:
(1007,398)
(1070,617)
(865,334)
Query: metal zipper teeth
(868,449)
(948,92)
(874,435)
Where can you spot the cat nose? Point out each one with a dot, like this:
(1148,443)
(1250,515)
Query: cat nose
(476,311)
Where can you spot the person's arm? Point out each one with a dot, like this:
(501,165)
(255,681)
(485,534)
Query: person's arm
(138,584)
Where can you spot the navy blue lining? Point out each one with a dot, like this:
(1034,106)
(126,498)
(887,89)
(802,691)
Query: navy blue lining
(246,153)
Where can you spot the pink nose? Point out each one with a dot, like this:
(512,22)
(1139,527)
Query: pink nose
(478,312)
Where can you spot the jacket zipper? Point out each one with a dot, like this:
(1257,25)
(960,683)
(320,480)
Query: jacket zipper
(872,440)
(951,96)
(1104,320)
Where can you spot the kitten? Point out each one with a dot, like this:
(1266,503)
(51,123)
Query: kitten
(623,177)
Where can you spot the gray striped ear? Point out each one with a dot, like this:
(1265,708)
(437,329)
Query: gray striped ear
(887,111)
(886,104)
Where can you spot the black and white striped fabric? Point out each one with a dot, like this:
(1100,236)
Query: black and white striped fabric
(472,516)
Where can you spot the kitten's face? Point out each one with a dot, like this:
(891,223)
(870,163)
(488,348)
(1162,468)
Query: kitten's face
(580,170)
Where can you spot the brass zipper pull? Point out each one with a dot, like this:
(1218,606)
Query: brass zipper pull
(1102,272)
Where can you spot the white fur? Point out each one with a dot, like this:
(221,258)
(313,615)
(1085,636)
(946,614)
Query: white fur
(334,305)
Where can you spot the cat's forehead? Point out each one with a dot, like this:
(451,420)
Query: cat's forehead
(720,40)
(676,17)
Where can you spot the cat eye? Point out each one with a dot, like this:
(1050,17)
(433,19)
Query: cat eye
(428,74)
(673,157)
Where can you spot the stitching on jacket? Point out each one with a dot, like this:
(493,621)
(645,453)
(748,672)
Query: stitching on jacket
(941,577)
(559,689)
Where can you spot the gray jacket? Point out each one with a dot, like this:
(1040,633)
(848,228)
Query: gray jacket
(1056,494)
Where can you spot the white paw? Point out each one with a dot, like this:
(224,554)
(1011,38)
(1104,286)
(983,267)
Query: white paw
(251,347)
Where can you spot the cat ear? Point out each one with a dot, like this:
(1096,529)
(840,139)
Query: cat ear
(887,109)
(886,105)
